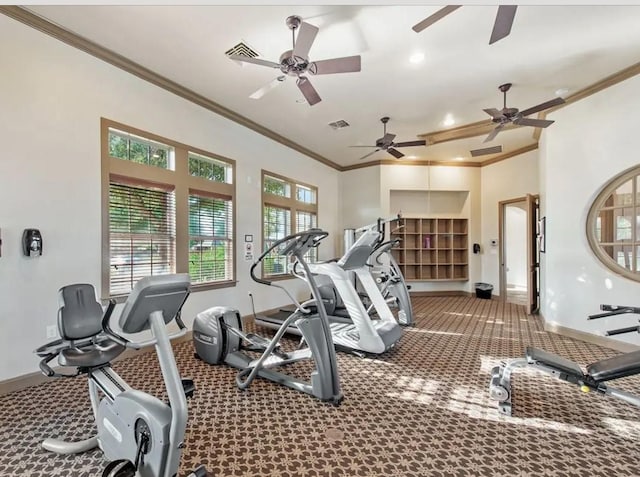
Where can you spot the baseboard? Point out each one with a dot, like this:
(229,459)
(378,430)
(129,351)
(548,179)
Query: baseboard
(599,340)
(441,293)
(33,379)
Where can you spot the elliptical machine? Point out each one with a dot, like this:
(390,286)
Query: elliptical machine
(140,434)
(387,274)
(218,334)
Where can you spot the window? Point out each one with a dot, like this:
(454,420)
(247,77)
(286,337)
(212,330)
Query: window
(141,234)
(168,208)
(284,214)
(613,224)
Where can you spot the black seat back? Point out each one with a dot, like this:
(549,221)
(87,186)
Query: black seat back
(79,315)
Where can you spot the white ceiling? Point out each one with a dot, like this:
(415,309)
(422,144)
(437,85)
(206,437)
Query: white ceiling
(549,48)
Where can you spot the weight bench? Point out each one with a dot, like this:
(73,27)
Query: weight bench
(594,379)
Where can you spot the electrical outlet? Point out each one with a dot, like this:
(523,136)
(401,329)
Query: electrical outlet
(52,331)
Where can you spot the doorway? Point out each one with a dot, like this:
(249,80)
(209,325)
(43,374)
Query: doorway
(519,253)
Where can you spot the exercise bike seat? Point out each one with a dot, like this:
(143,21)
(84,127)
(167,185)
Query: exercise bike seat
(80,317)
(619,366)
(92,355)
(544,358)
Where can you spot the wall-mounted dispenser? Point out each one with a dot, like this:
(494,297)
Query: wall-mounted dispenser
(31,242)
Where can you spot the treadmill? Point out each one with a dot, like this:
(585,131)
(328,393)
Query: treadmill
(358,331)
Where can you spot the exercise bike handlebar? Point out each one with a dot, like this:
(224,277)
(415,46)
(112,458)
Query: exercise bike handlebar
(300,238)
(121,340)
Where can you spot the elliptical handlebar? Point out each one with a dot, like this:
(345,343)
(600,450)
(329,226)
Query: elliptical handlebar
(378,224)
(298,240)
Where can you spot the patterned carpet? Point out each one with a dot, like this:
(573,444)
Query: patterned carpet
(421,409)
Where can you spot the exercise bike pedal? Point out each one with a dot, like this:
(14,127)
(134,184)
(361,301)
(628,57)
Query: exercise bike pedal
(120,468)
(189,387)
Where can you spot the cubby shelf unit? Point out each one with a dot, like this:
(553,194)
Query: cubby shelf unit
(433,249)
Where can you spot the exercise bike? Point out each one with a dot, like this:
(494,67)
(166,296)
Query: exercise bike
(595,378)
(218,334)
(141,435)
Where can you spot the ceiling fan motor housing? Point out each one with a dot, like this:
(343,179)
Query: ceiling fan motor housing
(292,65)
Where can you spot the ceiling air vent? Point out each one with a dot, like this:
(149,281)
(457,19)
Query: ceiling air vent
(339,124)
(242,49)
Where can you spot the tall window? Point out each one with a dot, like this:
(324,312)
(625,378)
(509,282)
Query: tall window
(288,207)
(168,208)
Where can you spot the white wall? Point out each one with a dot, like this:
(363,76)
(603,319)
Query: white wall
(504,180)
(51,98)
(359,197)
(591,141)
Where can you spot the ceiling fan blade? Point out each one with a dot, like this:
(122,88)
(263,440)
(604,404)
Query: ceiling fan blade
(367,155)
(410,143)
(493,112)
(388,138)
(304,40)
(255,61)
(267,87)
(503,23)
(430,20)
(542,106)
(308,91)
(363,146)
(486,150)
(395,153)
(536,123)
(347,64)
(494,133)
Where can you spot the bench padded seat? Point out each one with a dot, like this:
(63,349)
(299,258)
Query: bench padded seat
(536,355)
(619,366)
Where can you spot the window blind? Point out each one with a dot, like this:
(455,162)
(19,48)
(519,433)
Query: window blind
(210,238)
(141,234)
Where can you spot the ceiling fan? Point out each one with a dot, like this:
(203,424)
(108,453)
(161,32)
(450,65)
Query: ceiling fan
(501,26)
(295,62)
(506,115)
(385,143)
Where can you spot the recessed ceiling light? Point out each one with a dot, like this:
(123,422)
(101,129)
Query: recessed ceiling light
(459,158)
(561,91)
(448,120)
(412,157)
(416,58)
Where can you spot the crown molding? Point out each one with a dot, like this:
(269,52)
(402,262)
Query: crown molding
(479,128)
(38,23)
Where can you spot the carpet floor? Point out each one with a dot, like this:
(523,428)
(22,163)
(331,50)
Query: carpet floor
(421,409)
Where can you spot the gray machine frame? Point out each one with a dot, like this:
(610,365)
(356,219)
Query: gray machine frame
(595,378)
(358,332)
(219,337)
(136,431)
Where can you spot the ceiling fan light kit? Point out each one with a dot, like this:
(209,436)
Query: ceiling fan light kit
(296,63)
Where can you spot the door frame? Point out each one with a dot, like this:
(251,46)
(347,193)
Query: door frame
(533,249)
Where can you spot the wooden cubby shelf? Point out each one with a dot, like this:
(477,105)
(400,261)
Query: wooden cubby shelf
(433,249)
